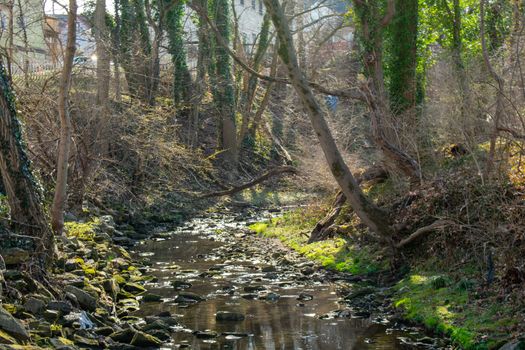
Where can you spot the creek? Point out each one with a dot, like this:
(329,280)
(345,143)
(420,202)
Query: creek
(271,297)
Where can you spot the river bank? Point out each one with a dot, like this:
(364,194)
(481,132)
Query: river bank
(452,301)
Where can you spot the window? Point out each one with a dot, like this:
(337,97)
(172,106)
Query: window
(253,4)
(260,7)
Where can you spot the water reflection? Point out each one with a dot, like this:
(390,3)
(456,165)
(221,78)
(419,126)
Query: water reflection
(269,325)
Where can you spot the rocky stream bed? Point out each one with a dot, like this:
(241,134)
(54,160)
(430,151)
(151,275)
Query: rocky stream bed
(231,289)
(209,284)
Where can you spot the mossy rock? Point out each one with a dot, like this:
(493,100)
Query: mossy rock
(145,340)
(5,338)
(134,288)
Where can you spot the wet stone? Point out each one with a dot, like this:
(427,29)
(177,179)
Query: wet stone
(249,296)
(187,296)
(229,316)
(251,289)
(305,297)
(151,298)
(181,284)
(272,296)
(205,334)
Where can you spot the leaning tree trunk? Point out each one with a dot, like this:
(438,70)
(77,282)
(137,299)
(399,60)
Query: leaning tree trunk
(372,216)
(59,200)
(23,191)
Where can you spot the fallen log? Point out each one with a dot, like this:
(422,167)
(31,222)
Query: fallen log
(269,174)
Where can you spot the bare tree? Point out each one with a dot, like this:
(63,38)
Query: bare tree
(59,200)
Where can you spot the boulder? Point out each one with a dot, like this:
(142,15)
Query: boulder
(14,256)
(34,306)
(514,345)
(123,336)
(134,288)
(12,326)
(85,300)
(63,306)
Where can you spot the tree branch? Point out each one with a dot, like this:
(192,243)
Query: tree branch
(422,231)
(264,177)
(353,94)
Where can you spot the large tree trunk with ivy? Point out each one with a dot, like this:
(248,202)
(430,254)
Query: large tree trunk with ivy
(23,192)
(224,96)
(366,210)
(403,60)
(181,74)
(203,62)
(60,197)
(372,23)
(135,48)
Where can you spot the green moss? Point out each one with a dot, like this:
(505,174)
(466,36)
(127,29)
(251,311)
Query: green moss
(82,230)
(448,308)
(259,227)
(336,254)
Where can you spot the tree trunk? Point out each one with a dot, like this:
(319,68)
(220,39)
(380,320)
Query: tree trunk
(403,60)
(372,216)
(181,74)
(225,97)
(23,191)
(203,57)
(248,95)
(59,200)
(103,58)
(499,111)
(116,52)
(372,27)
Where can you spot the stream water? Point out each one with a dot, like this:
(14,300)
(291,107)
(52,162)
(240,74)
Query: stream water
(286,302)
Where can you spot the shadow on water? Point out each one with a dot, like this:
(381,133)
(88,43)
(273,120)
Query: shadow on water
(220,263)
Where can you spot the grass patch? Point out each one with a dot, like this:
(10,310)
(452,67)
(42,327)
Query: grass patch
(339,254)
